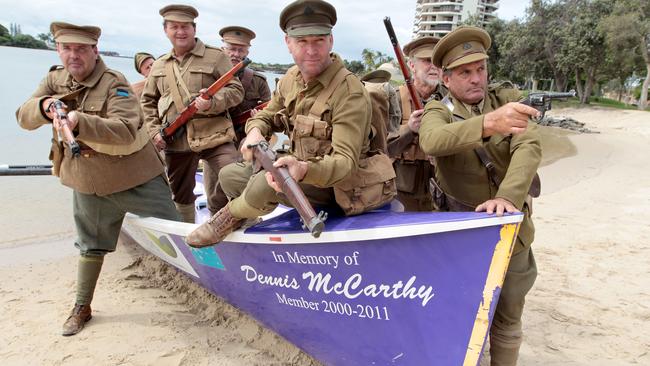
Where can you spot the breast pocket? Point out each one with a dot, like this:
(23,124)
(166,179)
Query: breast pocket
(200,77)
(93,106)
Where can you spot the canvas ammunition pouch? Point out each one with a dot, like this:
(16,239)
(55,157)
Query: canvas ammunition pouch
(371,186)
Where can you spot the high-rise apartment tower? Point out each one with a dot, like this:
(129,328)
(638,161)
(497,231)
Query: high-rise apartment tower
(438,17)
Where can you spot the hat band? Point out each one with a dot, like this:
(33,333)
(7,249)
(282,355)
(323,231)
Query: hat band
(306,25)
(461,56)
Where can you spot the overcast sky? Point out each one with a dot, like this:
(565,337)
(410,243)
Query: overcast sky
(130,26)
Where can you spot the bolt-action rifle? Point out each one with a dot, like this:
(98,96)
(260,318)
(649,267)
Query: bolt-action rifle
(417,103)
(169,129)
(264,157)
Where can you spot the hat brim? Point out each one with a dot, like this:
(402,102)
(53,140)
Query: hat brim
(468,60)
(75,38)
(312,30)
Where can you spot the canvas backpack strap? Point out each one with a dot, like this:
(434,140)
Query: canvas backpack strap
(405,99)
(174,78)
(320,105)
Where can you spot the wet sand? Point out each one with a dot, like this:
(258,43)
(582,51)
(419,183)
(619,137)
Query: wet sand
(588,306)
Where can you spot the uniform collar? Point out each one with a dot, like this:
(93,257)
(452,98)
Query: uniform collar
(465,110)
(198,50)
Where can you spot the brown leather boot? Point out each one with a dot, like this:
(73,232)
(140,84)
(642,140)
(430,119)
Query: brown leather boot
(214,230)
(78,317)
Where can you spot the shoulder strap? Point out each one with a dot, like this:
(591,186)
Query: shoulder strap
(174,78)
(247,78)
(320,104)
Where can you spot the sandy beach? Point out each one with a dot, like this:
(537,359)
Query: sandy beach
(589,306)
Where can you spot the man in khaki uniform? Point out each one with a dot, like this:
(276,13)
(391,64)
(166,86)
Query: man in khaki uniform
(326,112)
(175,79)
(475,128)
(411,165)
(118,169)
(236,44)
(142,62)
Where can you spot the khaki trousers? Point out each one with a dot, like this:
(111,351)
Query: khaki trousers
(181,170)
(252,196)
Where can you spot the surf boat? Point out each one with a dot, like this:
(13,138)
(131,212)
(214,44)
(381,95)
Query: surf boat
(381,288)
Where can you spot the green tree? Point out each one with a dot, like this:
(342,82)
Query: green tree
(4,31)
(627,31)
(357,67)
(27,41)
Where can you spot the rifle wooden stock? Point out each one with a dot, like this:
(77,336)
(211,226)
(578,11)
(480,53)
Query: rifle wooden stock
(417,103)
(264,156)
(62,113)
(169,129)
(241,118)
(15,170)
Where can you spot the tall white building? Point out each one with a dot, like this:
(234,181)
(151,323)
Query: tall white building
(438,17)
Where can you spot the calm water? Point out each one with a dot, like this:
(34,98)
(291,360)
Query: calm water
(21,70)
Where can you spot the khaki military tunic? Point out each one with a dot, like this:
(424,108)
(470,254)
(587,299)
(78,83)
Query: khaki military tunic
(114,155)
(411,164)
(459,170)
(198,69)
(119,169)
(348,113)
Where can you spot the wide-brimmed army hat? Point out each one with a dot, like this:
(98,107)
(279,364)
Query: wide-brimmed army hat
(139,58)
(377,76)
(237,35)
(421,47)
(179,13)
(461,46)
(308,18)
(70,33)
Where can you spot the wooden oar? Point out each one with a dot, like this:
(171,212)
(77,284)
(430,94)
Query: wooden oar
(25,169)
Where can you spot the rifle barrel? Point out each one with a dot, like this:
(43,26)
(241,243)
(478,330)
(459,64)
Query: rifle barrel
(408,79)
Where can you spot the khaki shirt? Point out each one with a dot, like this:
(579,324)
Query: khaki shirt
(459,170)
(199,68)
(403,143)
(256,90)
(109,115)
(348,113)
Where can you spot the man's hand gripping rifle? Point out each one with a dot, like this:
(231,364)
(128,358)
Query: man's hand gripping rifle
(263,157)
(62,114)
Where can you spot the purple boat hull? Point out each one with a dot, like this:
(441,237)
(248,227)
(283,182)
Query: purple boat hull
(375,289)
